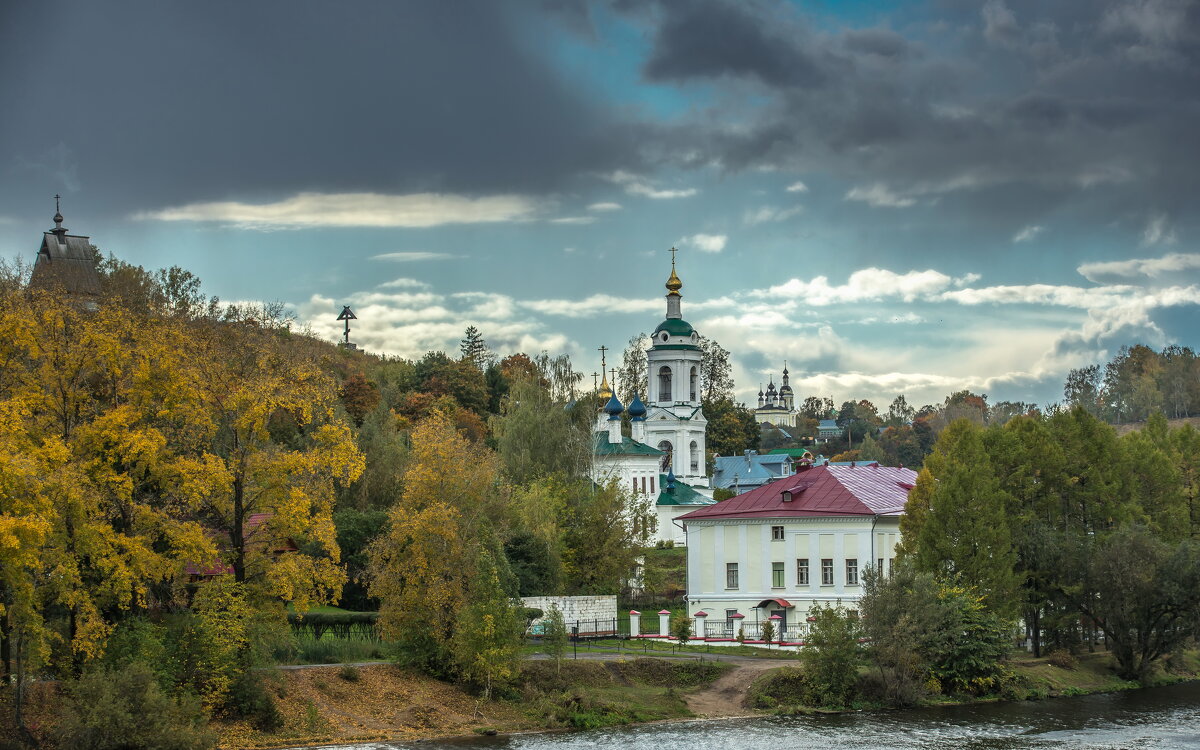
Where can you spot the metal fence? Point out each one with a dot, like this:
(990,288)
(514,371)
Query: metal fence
(581,629)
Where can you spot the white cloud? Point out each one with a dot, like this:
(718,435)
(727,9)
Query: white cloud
(409,325)
(705,243)
(1153,268)
(770,213)
(864,284)
(1028,233)
(597,304)
(1158,232)
(967,278)
(404,283)
(908,318)
(797,187)
(307,210)
(1059,295)
(574,220)
(607,206)
(635,185)
(412,257)
(879,195)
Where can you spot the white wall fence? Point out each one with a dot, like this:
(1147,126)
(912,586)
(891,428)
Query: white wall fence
(718,632)
(588,616)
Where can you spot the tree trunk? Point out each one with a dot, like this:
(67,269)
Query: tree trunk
(237,535)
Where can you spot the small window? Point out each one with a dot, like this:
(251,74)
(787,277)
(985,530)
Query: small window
(776,533)
(776,575)
(827,571)
(635,484)
(651,485)
(731,575)
(802,572)
(879,567)
(729,613)
(852,571)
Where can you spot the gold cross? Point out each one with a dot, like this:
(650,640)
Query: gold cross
(603,363)
(673,251)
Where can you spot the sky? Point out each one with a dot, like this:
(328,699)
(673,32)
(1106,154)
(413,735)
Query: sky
(894,198)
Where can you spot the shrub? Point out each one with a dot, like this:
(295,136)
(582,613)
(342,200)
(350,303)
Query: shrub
(681,628)
(350,674)
(126,709)
(337,624)
(249,699)
(831,657)
(1062,659)
(787,686)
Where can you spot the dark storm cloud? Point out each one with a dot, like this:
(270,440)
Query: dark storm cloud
(1005,107)
(714,39)
(187,101)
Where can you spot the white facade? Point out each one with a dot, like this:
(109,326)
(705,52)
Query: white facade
(784,547)
(759,550)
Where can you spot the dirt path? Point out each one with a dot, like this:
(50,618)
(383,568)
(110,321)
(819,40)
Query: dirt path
(727,696)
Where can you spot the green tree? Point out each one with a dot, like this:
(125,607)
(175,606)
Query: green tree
(605,529)
(731,428)
(474,349)
(716,374)
(955,521)
(537,436)
(1147,596)
(1082,388)
(488,633)
(831,655)
(681,628)
(631,375)
(554,635)
(899,413)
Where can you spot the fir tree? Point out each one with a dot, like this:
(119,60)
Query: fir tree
(955,522)
(474,348)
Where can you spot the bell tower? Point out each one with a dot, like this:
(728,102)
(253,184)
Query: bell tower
(675,423)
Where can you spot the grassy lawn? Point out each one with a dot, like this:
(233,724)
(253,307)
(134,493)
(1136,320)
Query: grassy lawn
(666,569)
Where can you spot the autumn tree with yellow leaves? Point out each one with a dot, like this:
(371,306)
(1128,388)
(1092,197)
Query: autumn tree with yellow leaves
(443,532)
(135,446)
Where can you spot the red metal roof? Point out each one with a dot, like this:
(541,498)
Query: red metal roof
(820,491)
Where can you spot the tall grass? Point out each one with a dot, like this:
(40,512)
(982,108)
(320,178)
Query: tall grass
(304,649)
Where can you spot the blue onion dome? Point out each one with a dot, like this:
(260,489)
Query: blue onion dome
(637,410)
(670,479)
(613,408)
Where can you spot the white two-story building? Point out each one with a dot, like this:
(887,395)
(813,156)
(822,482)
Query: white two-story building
(800,540)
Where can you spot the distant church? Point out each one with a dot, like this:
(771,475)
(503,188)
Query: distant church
(66,262)
(663,458)
(777,407)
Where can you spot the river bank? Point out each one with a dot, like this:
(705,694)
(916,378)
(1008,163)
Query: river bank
(394,705)
(338,705)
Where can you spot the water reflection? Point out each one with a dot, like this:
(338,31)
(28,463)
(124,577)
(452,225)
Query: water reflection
(1154,719)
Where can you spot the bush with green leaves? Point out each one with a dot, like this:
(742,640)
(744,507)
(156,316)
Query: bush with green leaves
(126,709)
(927,635)
(831,656)
(681,628)
(554,635)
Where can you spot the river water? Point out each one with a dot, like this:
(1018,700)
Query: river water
(1149,719)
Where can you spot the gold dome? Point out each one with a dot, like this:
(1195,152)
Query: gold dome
(605,392)
(673,283)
